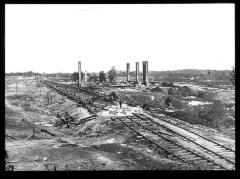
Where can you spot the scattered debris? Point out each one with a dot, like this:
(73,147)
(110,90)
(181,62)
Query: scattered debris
(12,137)
(81,121)
(87,112)
(51,166)
(45,158)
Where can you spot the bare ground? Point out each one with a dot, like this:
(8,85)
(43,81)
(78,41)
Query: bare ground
(96,145)
(99,144)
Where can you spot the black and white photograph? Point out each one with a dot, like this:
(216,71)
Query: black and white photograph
(119,87)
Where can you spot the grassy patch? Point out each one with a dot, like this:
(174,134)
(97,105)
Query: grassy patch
(25,97)
(139,160)
(175,101)
(211,115)
(140,98)
(152,99)
(14,103)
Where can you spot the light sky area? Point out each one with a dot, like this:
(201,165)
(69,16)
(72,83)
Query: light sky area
(53,38)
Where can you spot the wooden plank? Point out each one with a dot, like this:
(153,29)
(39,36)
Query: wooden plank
(86,119)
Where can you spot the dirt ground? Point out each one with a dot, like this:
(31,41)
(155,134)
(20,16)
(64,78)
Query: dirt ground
(99,144)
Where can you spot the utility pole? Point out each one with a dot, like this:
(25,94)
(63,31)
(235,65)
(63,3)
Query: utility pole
(33,128)
(79,74)
(37,81)
(16,86)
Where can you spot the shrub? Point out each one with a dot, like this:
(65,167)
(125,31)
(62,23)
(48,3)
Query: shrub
(209,115)
(209,96)
(170,84)
(212,114)
(157,89)
(168,101)
(172,91)
(232,76)
(114,95)
(140,98)
(167,84)
(201,95)
(188,116)
(164,83)
(227,122)
(177,103)
(186,91)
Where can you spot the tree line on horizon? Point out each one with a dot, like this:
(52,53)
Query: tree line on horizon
(113,73)
(110,76)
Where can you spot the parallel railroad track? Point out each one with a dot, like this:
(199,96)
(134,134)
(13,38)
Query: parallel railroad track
(79,95)
(165,139)
(78,92)
(222,152)
(65,90)
(75,89)
(72,95)
(190,131)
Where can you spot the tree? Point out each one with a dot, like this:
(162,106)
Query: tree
(74,77)
(88,76)
(82,75)
(112,75)
(50,95)
(102,76)
(93,78)
(172,91)
(232,76)
(211,115)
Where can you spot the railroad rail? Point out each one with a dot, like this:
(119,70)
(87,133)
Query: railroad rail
(163,136)
(75,90)
(166,141)
(72,95)
(87,98)
(211,151)
(185,128)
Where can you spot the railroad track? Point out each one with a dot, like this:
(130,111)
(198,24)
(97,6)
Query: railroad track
(75,89)
(168,140)
(187,129)
(81,96)
(65,90)
(164,136)
(78,92)
(224,150)
(72,95)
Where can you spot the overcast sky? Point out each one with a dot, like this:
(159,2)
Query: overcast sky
(53,38)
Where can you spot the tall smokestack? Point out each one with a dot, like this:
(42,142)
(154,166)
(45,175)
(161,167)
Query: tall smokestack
(128,72)
(79,74)
(145,73)
(137,71)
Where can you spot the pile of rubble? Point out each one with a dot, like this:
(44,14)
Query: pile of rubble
(117,111)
